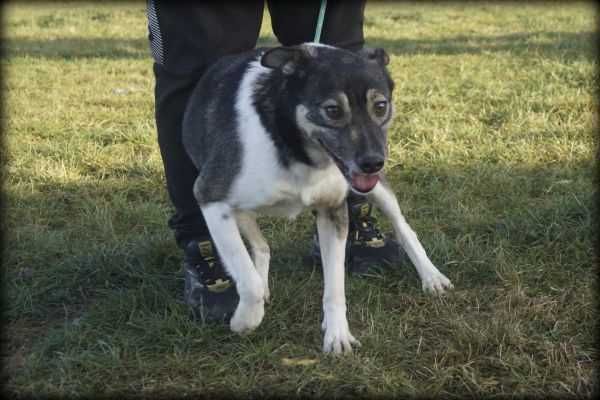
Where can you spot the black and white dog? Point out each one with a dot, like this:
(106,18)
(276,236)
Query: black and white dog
(279,130)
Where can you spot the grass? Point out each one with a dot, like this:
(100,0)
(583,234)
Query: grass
(491,154)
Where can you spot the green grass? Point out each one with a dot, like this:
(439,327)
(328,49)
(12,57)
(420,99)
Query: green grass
(491,155)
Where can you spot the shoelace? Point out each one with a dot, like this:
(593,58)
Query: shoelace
(215,277)
(215,271)
(363,229)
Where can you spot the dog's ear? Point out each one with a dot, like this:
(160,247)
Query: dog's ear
(375,54)
(286,58)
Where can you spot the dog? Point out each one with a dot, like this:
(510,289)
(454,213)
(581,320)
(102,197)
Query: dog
(274,131)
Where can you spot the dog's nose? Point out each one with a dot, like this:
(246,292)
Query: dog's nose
(371,164)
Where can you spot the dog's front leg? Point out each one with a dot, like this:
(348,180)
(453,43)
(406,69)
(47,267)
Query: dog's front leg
(432,279)
(259,247)
(225,233)
(332,227)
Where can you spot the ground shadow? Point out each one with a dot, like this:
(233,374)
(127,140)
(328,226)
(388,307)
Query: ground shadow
(515,213)
(72,48)
(555,45)
(81,48)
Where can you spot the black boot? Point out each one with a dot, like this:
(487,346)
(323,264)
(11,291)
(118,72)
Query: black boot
(368,250)
(209,291)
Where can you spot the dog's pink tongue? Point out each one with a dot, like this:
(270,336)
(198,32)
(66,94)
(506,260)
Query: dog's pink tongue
(364,183)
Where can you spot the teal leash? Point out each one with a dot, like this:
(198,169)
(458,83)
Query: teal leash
(320,21)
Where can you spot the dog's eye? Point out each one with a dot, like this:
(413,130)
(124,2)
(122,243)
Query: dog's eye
(334,112)
(380,108)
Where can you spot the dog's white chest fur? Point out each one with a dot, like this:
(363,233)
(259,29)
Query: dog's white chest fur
(307,187)
(263,184)
(286,192)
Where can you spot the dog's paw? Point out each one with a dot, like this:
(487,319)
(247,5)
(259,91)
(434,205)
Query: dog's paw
(338,338)
(247,317)
(436,283)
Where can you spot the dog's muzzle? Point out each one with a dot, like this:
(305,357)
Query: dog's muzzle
(360,182)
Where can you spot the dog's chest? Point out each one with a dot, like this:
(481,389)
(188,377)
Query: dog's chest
(311,187)
(288,191)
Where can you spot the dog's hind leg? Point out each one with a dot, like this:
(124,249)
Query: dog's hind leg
(258,246)
(332,227)
(432,279)
(225,233)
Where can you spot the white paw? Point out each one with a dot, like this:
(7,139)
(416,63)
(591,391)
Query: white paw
(436,283)
(247,316)
(338,338)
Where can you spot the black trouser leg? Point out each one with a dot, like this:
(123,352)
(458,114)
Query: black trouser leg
(294,22)
(171,96)
(185,39)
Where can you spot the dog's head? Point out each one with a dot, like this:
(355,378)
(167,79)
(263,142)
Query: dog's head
(342,103)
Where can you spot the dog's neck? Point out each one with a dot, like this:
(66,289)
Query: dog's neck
(272,101)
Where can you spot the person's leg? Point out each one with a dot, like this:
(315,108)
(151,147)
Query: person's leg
(171,95)
(294,22)
(185,38)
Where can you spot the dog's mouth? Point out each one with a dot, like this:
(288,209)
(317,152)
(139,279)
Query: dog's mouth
(364,183)
(359,183)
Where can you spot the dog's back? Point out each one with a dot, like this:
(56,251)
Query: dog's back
(210,128)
